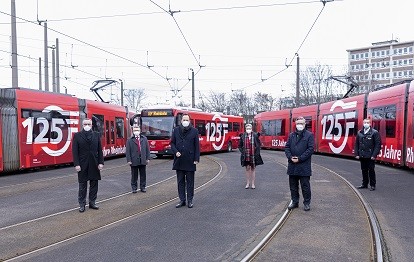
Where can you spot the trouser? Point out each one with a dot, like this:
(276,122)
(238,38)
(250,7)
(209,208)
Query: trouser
(142,177)
(368,171)
(93,191)
(294,188)
(185,178)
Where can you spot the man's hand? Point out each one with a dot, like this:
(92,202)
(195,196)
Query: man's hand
(295,159)
(100,166)
(129,163)
(372,158)
(178,154)
(357,157)
(195,162)
(78,168)
(147,161)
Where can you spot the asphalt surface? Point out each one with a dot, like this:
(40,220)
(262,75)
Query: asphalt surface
(227,220)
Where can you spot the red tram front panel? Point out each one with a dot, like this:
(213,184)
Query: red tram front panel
(386,110)
(46,123)
(310,113)
(409,131)
(338,125)
(111,122)
(274,128)
(1,144)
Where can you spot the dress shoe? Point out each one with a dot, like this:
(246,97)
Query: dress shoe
(82,209)
(190,204)
(362,186)
(293,205)
(93,206)
(372,188)
(253,187)
(180,204)
(134,191)
(247,187)
(143,190)
(306,207)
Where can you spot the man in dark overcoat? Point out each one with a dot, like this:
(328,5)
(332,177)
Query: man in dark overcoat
(299,149)
(185,145)
(88,161)
(367,148)
(138,157)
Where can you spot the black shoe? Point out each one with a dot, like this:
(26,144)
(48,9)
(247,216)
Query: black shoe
(190,204)
(143,190)
(181,204)
(306,207)
(93,206)
(362,186)
(372,188)
(293,205)
(82,209)
(134,191)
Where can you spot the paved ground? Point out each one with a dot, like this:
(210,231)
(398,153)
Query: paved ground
(226,221)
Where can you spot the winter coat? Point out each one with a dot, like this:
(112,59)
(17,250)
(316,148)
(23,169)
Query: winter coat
(88,155)
(301,146)
(132,155)
(257,144)
(367,145)
(188,144)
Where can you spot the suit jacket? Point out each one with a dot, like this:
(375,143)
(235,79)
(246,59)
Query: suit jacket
(367,145)
(88,155)
(257,144)
(132,155)
(301,146)
(188,144)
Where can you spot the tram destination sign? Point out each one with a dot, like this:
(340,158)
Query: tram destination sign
(157,112)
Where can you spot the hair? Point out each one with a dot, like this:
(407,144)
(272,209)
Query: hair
(86,119)
(367,119)
(248,125)
(185,114)
(300,118)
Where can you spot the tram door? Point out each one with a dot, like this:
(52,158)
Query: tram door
(110,132)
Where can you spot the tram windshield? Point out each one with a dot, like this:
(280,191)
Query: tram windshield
(157,127)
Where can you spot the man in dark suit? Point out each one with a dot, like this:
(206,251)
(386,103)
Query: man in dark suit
(185,145)
(88,161)
(138,156)
(298,150)
(367,147)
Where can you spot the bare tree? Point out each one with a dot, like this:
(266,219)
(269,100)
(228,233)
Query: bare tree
(263,102)
(134,98)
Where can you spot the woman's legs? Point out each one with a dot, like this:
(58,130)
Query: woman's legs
(248,176)
(253,176)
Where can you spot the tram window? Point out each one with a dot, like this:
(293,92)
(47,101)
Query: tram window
(119,127)
(236,126)
(98,124)
(390,120)
(201,127)
(107,132)
(230,126)
(280,127)
(308,121)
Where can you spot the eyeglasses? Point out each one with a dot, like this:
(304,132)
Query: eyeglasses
(87,124)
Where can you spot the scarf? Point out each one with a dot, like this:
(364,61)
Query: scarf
(249,148)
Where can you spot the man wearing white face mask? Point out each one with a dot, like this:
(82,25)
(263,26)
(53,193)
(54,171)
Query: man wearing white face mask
(185,145)
(367,147)
(299,149)
(88,161)
(138,155)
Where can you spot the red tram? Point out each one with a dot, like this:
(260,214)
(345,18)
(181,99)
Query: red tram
(37,127)
(336,123)
(217,132)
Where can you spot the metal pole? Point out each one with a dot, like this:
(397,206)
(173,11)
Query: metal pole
(46,61)
(40,73)
(297,80)
(57,67)
(15,76)
(192,89)
(122,92)
(53,71)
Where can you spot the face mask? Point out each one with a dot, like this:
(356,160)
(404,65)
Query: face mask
(366,126)
(186,123)
(136,133)
(87,128)
(300,127)
(248,131)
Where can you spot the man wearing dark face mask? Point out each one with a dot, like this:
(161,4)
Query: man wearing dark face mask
(88,161)
(367,147)
(138,155)
(186,148)
(298,150)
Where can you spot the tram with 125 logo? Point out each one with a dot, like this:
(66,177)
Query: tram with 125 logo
(217,132)
(336,123)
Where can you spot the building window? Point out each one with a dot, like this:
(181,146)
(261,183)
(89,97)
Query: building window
(357,56)
(410,61)
(382,75)
(373,54)
(366,55)
(405,50)
(410,49)
(387,75)
(400,73)
(388,52)
(395,74)
(405,61)
(352,67)
(411,73)
(352,56)
(378,65)
(399,50)
(383,53)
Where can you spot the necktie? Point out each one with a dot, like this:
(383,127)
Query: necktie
(139,145)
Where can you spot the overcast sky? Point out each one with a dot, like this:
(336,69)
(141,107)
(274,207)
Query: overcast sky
(237,42)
